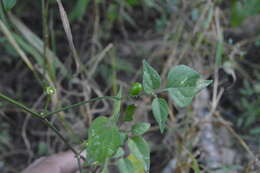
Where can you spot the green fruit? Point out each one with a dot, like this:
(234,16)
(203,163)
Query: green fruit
(136,88)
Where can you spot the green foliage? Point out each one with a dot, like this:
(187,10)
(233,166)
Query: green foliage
(105,169)
(243,9)
(79,10)
(133,2)
(160,112)
(255,131)
(119,153)
(249,103)
(184,83)
(125,166)
(123,137)
(112,13)
(137,164)
(104,140)
(130,165)
(8,4)
(117,106)
(140,128)
(141,150)
(195,165)
(130,110)
(151,79)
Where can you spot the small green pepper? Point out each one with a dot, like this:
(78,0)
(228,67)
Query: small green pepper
(136,88)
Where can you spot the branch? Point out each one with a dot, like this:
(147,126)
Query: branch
(42,119)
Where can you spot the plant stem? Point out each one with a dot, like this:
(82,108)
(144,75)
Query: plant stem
(117,106)
(81,103)
(21,106)
(42,119)
(45,33)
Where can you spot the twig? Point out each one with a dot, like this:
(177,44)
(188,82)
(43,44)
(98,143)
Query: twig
(81,103)
(38,116)
(241,141)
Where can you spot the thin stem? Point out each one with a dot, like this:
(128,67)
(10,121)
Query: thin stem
(45,121)
(79,164)
(117,106)
(47,103)
(42,119)
(81,103)
(20,105)
(45,33)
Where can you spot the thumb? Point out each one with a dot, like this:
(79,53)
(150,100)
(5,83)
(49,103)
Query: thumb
(65,162)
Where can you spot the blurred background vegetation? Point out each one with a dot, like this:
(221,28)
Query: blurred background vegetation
(103,49)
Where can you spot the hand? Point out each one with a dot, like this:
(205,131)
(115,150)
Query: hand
(58,163)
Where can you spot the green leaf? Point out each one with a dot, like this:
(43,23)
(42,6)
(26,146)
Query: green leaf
(130,165)
(140,128)
(9,4)
(79,10)
(105,169)
(103,140)
(255,131)
(125,166)
(182,75)
(112,12)
(141,150)
(241,10)
(184,83)
(134,2)
(160,112)
(195,165)
(151,79)
(119,153)
(137,164)
(117,106)
(123,137)
(130,110)
(237,14)
(179,98)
